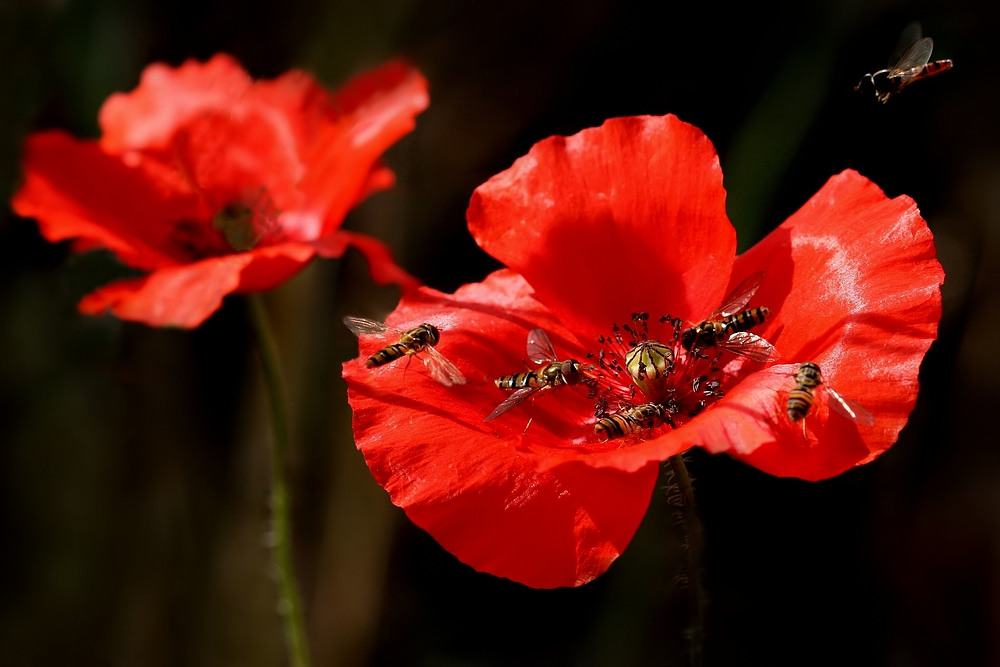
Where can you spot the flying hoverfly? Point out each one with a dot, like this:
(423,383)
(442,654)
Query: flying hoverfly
(632,420)
(419,339)
(801,399)
(911,66)
(554,373)
(726,329)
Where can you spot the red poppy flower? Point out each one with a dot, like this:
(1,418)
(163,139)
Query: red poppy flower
(212,183)
(625,219)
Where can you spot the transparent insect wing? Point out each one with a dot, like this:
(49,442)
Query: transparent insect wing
(440,368)
(908,36)
(850,409)
(740,296)
(512,401)
(750,345)
(913,60)
(540,348)
(363,326)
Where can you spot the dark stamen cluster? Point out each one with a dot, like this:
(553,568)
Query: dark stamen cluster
(645,378)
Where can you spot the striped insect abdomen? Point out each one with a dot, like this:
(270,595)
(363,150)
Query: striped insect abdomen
(388,354)
(800,401)
(520,381)
(746,319)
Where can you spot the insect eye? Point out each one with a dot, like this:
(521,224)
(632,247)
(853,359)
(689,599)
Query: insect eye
(687,338)
(571,371)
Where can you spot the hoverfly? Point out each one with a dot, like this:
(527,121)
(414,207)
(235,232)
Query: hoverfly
(554,373)
(726,329)
(419,339)
(801,399)
(912,66)
(632,420)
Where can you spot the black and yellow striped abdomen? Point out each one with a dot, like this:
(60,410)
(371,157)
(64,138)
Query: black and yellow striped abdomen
(627,422)
(710,332)
(389,353)
(520,381)
(800,399)
(553,374)
(410,342)
(745,319)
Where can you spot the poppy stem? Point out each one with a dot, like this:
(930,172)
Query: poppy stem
(289,600)
(691,547)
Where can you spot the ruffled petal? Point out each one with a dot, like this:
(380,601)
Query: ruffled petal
(342,161)
(852,270)
(77,191)
(221,158)
(180,296)
(613,220)
(205,175)
(853,282)
(477,487)
(270,266)
(167,98)
(381,263)
(751,425)
(221,134)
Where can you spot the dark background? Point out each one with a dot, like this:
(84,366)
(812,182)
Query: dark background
(134,461)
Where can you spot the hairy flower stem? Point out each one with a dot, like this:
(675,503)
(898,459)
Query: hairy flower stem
(691,546)
(289,601)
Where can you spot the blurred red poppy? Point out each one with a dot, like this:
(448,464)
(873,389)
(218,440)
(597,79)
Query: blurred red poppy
(213,183)
(615,238)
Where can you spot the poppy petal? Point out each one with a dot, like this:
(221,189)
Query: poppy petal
(208,175)
(383,267)
(613,220)
(77,191)
(270,266)
(850,268)
(179,296)
(751,425)
(482,497)
(342,163)
(185,296)
(328,146)
(167,98)
(855,284)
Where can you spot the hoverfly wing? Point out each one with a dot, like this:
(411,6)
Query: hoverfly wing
(845,407)
(913,59)
(751,346)
(908,36)
(740,296)
(540,348)
(512,401)
(363,326)
(440,368)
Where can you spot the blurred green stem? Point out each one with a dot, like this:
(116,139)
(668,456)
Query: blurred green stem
(691,547)
(289,601)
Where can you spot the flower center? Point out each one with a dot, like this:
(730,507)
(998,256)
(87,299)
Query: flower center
(235,223)
(237,227)
(646,377)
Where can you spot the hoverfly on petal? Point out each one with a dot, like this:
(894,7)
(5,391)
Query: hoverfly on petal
(803,396)
(418,341)
(726,329)
(554,373)
(913,65)
(632,420)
